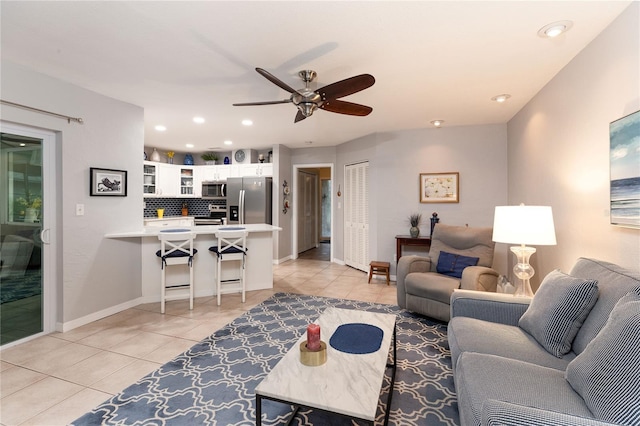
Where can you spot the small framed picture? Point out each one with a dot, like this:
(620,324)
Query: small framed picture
(107,182)
(439,187)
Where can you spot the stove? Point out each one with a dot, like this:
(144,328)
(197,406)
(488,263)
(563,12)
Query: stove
(207,220)
(217,216)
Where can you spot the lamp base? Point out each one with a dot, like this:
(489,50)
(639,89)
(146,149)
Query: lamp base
(523,270)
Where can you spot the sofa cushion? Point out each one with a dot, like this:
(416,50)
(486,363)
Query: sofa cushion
(606,373)
(613,283)
(453,264)
(464,240)
(431,285)
(509,341)
(558,309)
(482,377)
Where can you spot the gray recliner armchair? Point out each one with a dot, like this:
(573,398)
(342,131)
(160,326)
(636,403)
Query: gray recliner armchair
(425,284)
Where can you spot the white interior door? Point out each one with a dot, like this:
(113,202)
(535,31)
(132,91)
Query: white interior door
(356,211)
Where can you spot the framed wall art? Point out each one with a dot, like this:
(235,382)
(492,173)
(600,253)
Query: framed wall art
(107,182)
(624,139)
(439,187)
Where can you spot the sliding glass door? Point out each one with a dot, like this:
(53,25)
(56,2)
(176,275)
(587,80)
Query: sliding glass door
(22,260)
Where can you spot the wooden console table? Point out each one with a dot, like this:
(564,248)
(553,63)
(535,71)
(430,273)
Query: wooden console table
(408,240)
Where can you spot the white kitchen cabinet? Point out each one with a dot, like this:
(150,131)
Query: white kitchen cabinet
(150,179)
(214,173)
(178,181)
(160,179)
(168,180)
(187,181)
(255,169)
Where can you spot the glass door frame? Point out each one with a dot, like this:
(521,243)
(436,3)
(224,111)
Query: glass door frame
(49,224)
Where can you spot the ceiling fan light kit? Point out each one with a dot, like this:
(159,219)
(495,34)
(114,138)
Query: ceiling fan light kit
(308,101)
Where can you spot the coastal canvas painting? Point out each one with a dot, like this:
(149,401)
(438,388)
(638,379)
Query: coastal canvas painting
(625,170)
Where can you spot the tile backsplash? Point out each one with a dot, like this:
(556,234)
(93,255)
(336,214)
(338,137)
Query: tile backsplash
(173,206)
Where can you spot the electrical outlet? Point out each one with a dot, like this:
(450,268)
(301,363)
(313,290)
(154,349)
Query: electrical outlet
(79,209)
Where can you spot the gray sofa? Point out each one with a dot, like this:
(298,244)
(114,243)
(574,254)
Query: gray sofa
(506,376)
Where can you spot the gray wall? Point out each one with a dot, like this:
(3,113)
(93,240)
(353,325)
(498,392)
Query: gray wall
(94,273)
(559,149)
(396,160)
(282,171)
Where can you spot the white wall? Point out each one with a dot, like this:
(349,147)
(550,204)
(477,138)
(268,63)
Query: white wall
(396,160)
(95,274)
(282,171)
(559,149)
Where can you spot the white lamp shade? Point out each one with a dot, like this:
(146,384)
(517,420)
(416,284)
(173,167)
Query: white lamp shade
(524,225)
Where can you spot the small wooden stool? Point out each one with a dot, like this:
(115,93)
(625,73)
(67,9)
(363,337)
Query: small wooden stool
(379,268)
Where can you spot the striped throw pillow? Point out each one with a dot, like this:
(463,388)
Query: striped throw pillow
(558,309)
(606,373)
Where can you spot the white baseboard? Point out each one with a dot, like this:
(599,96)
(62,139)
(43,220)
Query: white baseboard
(284,259)
(70,325)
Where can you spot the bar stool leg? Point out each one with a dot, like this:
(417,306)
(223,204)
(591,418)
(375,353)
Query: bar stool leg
(242,278)
(218,286)
(191,286)
(163,290)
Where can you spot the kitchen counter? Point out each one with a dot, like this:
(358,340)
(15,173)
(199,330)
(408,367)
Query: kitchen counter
(258,265)
(199,230)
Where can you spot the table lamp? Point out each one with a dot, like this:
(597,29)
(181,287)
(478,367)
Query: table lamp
(524,225)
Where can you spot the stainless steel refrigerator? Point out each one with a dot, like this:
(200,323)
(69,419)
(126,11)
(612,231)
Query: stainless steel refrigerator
(249,200)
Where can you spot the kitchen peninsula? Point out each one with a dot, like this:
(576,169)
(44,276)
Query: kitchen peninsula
(259,262)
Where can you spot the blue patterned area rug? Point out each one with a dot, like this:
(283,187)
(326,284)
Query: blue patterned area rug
(213,382)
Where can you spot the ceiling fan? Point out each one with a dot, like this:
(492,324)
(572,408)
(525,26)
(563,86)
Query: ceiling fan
(325,98)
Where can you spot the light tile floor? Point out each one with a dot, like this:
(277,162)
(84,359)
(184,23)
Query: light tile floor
(55,379)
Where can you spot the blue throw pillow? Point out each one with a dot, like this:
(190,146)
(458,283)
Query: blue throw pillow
(453,264)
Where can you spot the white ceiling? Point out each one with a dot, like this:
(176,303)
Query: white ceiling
(431,60)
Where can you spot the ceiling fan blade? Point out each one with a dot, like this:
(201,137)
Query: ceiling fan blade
(344,107)
(346,87)
(284,101)
(275,80)
(299,116)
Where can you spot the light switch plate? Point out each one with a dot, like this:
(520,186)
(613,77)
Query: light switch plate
(79,209)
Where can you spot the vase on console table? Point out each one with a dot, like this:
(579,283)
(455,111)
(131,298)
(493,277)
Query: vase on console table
(414,221)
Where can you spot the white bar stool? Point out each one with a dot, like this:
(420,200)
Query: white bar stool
(176,248)
(232,246)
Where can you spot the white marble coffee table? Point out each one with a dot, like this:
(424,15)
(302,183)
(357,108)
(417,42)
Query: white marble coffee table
(347,384)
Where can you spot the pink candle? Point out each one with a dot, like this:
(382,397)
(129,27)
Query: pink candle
(313,337)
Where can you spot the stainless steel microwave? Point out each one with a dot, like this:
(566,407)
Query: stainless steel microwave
(214,190)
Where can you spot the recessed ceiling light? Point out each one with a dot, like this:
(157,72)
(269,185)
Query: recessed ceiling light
(228,142)
(437,123)
(247,122)
(198,120)
(501,98)
(160,128)
(189,145)
(23,144)
(554,29)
